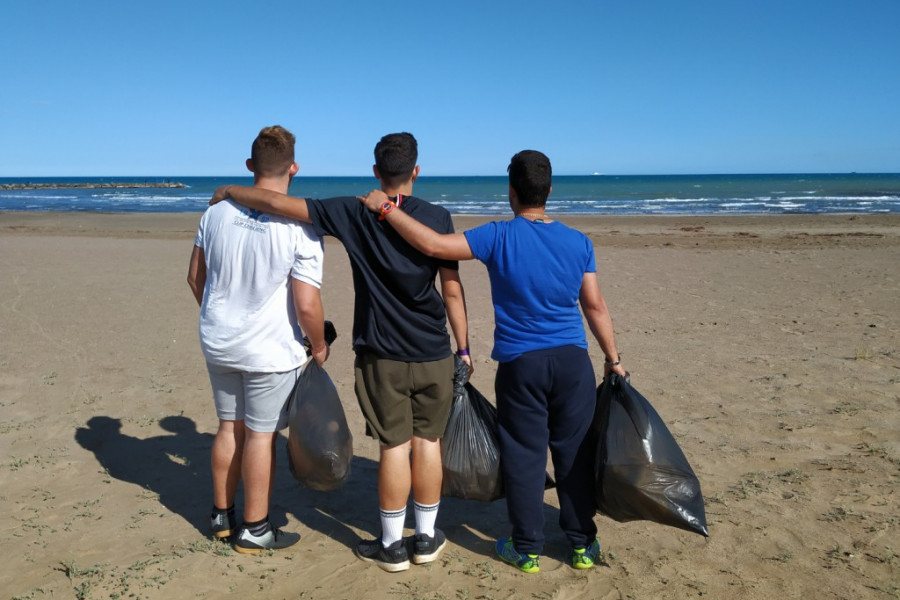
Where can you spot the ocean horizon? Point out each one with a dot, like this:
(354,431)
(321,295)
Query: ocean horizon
(839,193)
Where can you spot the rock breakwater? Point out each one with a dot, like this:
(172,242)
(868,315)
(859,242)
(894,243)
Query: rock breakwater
(61,186)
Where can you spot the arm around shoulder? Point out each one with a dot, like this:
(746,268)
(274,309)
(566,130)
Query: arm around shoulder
(264,200)
(447,246)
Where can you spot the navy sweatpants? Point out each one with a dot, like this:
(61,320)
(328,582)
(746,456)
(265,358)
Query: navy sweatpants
(547,398)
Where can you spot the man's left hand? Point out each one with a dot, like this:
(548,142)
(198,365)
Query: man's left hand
(469,365)
(373,200)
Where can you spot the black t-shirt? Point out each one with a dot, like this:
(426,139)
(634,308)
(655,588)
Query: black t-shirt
(398,313)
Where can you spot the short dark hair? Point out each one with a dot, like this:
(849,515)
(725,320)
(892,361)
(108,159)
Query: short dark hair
(272,152)
(395,157)
(530,175)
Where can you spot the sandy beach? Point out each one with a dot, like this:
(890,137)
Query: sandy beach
(770,345)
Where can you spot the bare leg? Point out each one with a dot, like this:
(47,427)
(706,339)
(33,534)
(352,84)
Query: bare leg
(427,470)
(258,472)
(227,453)
(394,480)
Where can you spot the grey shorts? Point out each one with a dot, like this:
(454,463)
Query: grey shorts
(400,400)
(257,399)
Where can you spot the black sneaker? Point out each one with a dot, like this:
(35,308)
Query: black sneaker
(392,559)
(222,525)
(428,548)
(273,539)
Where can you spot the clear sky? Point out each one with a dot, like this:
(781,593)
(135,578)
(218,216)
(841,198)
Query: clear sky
(181,87)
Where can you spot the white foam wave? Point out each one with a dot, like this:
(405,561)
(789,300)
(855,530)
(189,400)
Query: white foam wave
(32,197)
(846,198)
(681,200)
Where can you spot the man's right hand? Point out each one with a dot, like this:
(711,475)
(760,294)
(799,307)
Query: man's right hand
(220,194)
(320,355)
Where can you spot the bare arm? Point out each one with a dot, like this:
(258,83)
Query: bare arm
(449,246)
(455,301)
(600,322)
(197,273)
(308,304)
(263,200)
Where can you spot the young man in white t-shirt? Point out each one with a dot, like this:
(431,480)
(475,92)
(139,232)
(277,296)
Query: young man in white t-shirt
(255,276)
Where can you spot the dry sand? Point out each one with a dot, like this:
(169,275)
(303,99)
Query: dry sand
(769,345)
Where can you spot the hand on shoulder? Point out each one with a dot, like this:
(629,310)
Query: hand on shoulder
(221,193)
(373,200)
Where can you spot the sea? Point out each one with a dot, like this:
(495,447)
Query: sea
(853,193)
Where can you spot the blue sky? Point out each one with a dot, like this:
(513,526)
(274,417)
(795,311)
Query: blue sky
(178,88)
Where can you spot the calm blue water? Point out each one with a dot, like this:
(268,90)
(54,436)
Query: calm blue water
(598,194)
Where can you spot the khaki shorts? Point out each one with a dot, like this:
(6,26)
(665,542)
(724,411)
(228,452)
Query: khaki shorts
(400,400)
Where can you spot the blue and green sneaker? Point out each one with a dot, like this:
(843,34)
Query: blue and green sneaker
(527,563)
(584,558)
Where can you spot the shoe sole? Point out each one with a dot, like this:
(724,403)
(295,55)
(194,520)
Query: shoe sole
(530,571)
(243,550)
(389,567)
(257,549)
(223,534)
(421,559)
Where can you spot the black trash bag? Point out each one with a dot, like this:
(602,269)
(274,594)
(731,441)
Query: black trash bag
(319,442)
(640,471)
(470,448)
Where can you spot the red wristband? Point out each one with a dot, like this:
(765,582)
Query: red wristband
(386,207)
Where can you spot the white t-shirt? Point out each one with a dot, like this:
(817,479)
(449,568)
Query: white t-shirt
(247,320)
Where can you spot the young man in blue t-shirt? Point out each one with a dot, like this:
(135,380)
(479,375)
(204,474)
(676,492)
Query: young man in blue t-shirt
(540,270)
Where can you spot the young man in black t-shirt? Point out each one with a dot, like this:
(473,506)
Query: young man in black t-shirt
(404,363)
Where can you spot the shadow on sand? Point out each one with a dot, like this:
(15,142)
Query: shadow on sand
(175,466)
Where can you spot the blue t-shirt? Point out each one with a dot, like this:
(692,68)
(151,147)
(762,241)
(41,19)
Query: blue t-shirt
(536,270)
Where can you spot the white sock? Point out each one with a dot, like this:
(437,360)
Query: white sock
(392,522)
(426,515)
